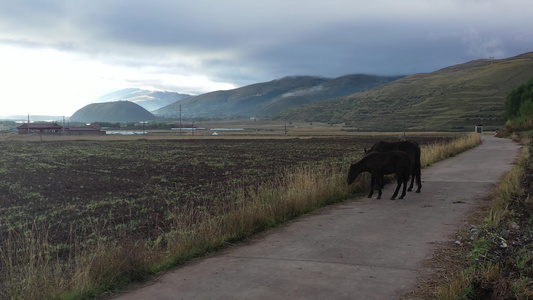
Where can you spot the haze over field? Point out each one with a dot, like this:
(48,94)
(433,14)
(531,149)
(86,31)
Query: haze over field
(59,56)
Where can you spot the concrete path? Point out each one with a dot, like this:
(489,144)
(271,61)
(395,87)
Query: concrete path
(360,249)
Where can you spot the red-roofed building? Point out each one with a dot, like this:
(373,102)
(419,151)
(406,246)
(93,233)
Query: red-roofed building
(43,128)
(54,128)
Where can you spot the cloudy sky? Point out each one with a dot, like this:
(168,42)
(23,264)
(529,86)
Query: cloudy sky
(56,56)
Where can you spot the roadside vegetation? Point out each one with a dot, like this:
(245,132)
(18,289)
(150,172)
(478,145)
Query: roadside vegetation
(126,212)
(493,257)
(519,106)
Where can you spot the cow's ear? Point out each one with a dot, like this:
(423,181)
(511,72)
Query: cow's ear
(364,149)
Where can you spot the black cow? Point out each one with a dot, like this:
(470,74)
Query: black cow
(380,164)
(412,149)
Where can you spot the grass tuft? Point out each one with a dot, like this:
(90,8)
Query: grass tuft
(439,151)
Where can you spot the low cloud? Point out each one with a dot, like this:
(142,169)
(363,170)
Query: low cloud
(482,46)
(303,92)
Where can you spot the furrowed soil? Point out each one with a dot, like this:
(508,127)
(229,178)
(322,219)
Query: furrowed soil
(136,188)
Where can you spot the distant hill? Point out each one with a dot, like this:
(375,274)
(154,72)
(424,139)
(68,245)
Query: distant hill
(150,100)
(118,111)
(453,98)
(33,118)
(268,98)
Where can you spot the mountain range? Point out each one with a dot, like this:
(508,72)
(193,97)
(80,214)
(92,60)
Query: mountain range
(269,98)
(453,98)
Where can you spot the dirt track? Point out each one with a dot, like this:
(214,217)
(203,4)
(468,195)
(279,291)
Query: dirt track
(360,249)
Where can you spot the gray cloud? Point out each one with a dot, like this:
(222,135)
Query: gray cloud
(243,42)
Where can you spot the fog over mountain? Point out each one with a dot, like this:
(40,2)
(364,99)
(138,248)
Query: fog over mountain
(150,100)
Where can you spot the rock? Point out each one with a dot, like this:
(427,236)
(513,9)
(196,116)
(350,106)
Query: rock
(505,234)
(514,226)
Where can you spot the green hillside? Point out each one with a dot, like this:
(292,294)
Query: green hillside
(269,98)
(453,98)
(117,111)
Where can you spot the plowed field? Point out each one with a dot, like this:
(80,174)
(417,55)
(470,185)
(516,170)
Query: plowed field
(70,187)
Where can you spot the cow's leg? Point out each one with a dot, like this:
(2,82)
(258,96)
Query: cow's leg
(418,179)
(372,180)
(405,181)
(398,184)
(380,184)
(413,183)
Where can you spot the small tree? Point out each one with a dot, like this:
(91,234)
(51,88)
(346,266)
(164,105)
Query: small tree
(519,102)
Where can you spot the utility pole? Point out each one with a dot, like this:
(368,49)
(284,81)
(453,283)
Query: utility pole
(181,126)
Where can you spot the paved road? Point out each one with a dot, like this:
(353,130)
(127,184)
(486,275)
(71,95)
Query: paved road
(360,249)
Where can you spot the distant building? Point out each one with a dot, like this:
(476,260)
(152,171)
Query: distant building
(83,130)
(44,128)
(5,127)
(478,128)
(54,128)
(184,125)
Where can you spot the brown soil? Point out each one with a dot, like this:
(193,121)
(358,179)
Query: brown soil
(133,188)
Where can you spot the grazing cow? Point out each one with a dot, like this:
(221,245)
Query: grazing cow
(380,164)
(412,149)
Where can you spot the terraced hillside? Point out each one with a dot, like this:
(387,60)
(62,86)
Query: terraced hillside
(453,98)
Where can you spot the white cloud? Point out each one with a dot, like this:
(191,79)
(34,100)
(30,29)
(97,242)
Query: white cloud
(56,56)
(47,81)
(52,82)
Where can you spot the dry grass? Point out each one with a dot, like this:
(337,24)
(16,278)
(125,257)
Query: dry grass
(471,281)
(31,271)
(509,187)
(436,152)
(33,274)
(271,204)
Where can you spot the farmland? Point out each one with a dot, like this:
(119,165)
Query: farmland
(138,186)
(139,199)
